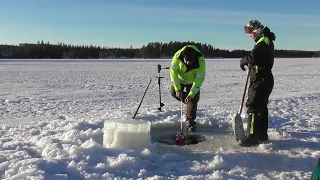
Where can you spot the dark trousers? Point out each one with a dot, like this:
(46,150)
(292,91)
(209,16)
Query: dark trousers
(191,109)
(257,104)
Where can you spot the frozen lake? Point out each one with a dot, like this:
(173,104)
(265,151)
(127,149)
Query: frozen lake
(52,114)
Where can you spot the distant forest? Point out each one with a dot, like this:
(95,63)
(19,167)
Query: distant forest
(45,50)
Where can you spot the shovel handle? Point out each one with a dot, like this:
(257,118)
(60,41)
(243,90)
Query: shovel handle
(244,92)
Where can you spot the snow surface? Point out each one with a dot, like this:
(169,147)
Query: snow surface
(53,112)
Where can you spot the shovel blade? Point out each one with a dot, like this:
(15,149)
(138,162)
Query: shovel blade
(238,127)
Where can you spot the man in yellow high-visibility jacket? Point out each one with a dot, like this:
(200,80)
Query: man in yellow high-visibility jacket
(187,72)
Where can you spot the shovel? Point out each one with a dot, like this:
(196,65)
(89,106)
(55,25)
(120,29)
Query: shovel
(237,121)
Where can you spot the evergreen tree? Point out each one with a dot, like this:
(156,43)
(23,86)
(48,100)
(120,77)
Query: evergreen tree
(42,50)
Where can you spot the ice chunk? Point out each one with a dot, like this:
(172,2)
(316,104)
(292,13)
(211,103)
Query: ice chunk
(126,133)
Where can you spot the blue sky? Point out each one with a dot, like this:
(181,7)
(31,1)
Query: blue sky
(121,23)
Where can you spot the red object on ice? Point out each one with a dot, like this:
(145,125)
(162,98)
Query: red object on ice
(179,139)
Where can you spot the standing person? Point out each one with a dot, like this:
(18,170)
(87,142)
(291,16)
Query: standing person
(260,62)
(187,72)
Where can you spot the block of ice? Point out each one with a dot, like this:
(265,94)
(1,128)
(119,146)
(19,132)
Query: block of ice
(126,133)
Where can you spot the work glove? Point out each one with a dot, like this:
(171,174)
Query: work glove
(244,62)
(250,110)
(188,99)
(179,94)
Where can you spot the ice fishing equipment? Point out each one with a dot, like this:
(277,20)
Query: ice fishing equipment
(159,83)
(181,136)
(142,99)
(237,120)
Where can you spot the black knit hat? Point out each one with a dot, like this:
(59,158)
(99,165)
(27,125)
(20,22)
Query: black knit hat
(189,54)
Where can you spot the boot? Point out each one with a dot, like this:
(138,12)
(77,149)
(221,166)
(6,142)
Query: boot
(191,113)
(252,138)
(264,137)
(263,133)
(190,126)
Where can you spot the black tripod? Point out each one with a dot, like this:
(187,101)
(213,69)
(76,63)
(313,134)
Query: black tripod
(159,83)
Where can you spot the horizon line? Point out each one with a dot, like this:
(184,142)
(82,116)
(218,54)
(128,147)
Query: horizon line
(108,46)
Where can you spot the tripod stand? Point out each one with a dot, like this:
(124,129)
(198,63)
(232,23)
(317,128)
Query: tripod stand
(159,84)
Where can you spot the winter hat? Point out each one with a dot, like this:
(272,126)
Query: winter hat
(254,26)
(189,54)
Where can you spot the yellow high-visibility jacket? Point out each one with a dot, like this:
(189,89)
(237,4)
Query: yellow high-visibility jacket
(179,73)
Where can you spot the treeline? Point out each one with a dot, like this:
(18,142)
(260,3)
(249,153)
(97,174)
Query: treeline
(46,50)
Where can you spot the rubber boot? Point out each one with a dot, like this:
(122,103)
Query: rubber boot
(263,133)
(252,137)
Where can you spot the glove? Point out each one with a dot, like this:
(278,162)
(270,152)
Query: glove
(188,99)
(242,67)
(179,94)
(244,62)
(250,110)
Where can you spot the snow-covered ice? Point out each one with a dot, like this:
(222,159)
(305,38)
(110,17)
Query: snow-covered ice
(53,114)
